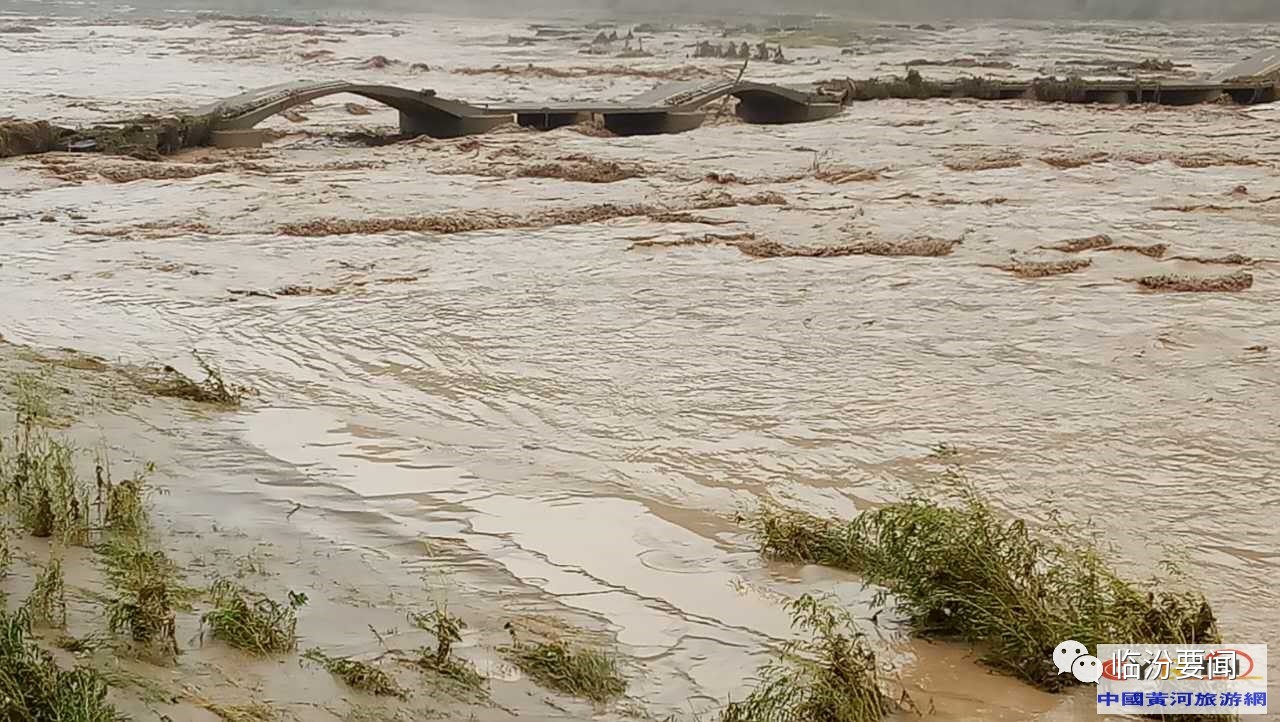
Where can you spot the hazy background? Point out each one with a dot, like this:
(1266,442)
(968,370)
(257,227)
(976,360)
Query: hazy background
(888,9)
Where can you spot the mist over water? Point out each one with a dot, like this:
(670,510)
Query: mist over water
(1204,10)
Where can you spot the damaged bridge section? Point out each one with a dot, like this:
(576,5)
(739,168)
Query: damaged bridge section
(668,108)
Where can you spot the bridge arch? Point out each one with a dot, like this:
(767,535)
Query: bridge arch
(421,111)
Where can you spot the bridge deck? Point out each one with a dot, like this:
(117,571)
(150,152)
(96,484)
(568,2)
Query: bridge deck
(567,107)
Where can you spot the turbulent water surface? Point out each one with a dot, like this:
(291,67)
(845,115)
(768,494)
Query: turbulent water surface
(581,419)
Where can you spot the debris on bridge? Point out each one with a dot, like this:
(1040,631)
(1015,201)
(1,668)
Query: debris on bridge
(146,138)
(914,86)
(24,138)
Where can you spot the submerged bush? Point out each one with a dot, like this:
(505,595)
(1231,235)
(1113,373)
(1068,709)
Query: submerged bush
(214,389)
(47,604)
(146,592)
(123,503)
(582,672)
(963,572)
(253,622)
(38,476)
(34,688)
(830,677)
(447,630)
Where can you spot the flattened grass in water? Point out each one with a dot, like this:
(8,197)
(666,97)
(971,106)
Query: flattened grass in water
(253,622)
(214,389)
(830,677)
(963,572)
(359,675)
(33,687)
(581,672)
(253,712)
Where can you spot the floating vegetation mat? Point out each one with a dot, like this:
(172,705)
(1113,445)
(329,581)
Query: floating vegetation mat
(1230,283)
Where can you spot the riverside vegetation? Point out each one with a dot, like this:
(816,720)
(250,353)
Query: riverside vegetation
(961,571)
(45,496)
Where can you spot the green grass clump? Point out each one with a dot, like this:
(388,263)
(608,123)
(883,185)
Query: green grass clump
(34,688)
(37,475)
(31,400)
(963,572)
(6,553)
(253,622)
(447,630)
(582,672)
(830,677)
(147,590)
(124,503)
(47,604)
(358,675)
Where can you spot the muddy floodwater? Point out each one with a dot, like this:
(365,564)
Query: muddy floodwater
(571,413)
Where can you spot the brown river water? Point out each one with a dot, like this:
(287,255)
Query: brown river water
(576,422)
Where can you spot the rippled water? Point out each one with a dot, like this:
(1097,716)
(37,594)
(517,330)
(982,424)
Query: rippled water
(585,419)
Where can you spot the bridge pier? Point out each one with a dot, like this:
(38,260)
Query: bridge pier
(1178,96)
(1250,96)
(438,124)
(766,109)
(251,138)
(550,120)
(652,123)
(1111,97)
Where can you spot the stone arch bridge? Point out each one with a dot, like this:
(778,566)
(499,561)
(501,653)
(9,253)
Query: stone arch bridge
(668,108)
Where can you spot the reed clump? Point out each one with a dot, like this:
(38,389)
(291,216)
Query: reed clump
(33,686)
(251,621)
(831,676)
(962,571)
(37,472)
(584,672)
(47,603)
(147,591)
